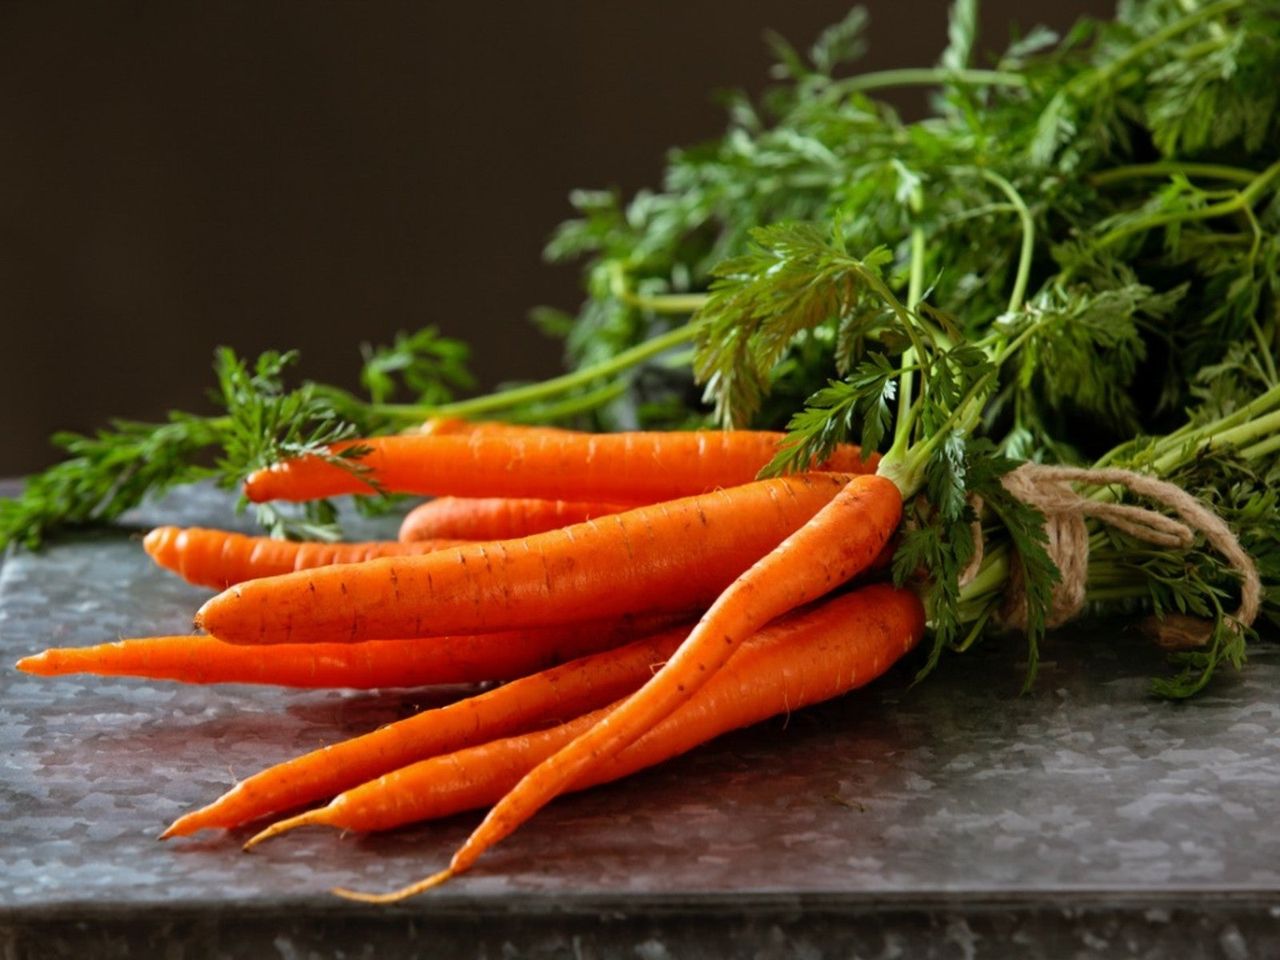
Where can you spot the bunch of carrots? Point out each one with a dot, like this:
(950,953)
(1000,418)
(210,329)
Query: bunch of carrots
(640,593)
(643,593)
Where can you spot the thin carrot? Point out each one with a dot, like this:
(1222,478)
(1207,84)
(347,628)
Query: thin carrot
(550,696)
(840,542)
(810,656)
(665,557)
(220,558)
(497,518)
(615,467)
(362,666)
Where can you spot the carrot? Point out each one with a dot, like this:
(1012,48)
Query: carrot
(379,663)
(496,518)
(841,541)
(810,656)
(219,558)
(616,467)
(553,695)
(665,557)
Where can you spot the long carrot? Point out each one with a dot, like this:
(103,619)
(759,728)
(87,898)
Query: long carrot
(219,558)
(811,656)
(379,663)
(497,518)
(841,541)
(665,557)
(553,695)
(616,467)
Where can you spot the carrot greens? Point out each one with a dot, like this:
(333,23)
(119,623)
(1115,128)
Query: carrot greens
(264,420)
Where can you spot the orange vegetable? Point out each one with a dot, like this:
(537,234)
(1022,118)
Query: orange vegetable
(496,518)
(551,696)
(615,467)
(665,557)
(379,663)
(840,542)
(219,558)
(807,657)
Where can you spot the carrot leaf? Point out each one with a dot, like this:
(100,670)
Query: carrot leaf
(431,367)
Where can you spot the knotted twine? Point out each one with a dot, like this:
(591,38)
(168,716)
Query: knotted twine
(1049,489)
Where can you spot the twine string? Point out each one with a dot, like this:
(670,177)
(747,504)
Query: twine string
(1050,490)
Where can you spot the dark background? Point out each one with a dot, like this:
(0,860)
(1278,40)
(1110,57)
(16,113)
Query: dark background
(315,175)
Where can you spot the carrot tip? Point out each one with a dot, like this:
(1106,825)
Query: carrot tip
(283,826)
(152,541)
(185,825)
(395,896)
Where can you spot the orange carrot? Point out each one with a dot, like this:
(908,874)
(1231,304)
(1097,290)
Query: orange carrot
(379,663)
(219,558)
(553,695)
(840,542)
(810,656)
(496,518)
(665,557)
(616,467)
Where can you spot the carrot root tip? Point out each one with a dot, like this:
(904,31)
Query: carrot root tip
(183,826)
(153,541)
(395,896)
(283,826)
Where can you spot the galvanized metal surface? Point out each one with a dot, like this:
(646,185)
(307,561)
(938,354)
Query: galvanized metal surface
(951,819)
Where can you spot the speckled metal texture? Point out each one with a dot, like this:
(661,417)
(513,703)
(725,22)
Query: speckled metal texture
(950,819)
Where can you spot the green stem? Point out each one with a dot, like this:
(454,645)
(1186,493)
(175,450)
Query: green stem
(573,406)
(1262,448)
(1197,51)
(986,210)
(1264,348)
(1213,436)
(1019,293)
(975,631)
(968,412)
(1238,436)
(915,285)
(1167,168)
(930,77)
(905,467)
(655,303)
(901,463)
(1189,433)
(1240,201)
(915,293)
(1184,444)
(666,302)
(991,577)
(518,396)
